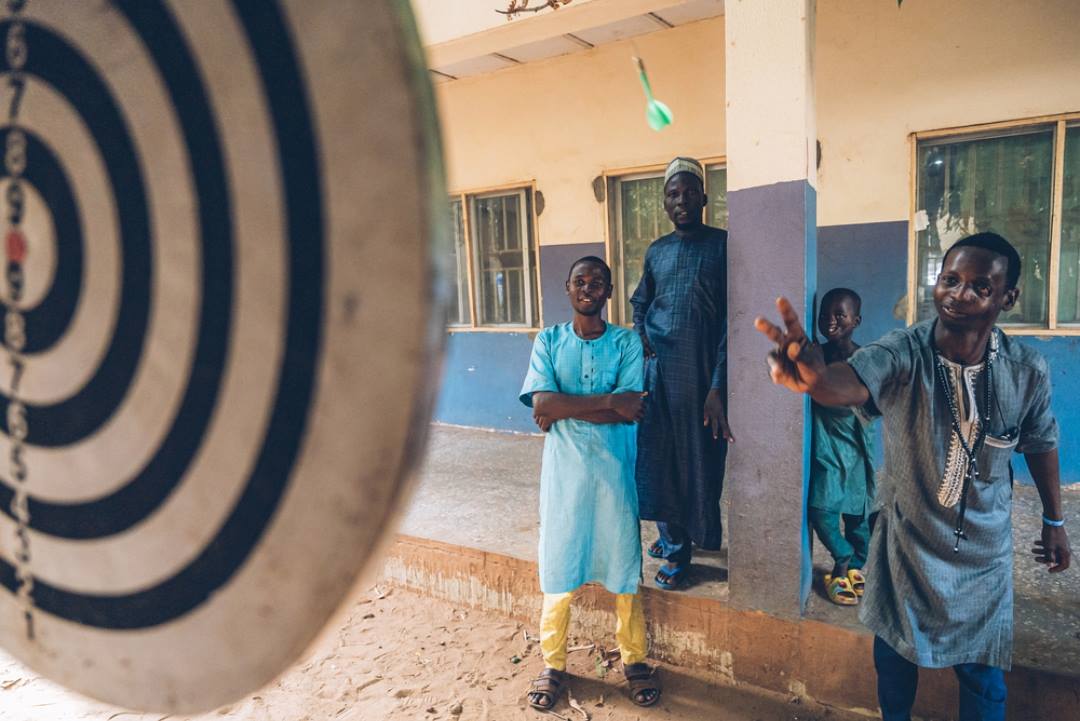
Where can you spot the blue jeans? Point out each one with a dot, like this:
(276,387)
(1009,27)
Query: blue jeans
(675,543)
(982,687)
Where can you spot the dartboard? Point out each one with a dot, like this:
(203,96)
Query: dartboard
(220,328)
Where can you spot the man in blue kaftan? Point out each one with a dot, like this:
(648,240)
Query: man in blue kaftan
(680,312)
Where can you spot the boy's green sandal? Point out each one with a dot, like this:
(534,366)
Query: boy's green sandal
(840,591)
(641,677)
(545,689)
(858,581)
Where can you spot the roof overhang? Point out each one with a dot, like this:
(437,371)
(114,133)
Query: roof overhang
(550,33)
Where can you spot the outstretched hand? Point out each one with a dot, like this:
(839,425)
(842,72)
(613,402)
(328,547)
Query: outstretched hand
(796,363)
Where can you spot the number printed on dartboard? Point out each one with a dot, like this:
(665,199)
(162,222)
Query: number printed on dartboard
(16,247)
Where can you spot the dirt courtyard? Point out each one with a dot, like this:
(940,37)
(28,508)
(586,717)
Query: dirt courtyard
(402,656)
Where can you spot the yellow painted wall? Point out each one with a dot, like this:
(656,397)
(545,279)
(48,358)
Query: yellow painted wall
(770,67)
(563,121)
(884,72)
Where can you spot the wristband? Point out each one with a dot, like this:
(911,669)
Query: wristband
(1055,524)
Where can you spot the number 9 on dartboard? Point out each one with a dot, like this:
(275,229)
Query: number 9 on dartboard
(221,322)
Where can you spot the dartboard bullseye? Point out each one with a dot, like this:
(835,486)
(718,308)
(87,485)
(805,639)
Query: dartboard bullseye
(206,405)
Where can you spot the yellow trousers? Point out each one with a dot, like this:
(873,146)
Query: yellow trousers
(555,621)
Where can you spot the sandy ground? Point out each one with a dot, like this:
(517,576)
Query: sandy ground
(402,656)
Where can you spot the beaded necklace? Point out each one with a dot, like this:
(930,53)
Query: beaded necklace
(970,451)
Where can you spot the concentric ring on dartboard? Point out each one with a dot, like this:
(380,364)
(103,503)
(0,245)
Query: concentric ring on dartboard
(186,589)
(213,480)
(66,365)
(62,424)
(48,318)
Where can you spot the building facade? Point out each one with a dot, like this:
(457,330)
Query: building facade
(931,121)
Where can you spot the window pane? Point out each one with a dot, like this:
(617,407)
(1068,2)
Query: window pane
(459,304)
(995,184)
(716,189)
(502,257)
(1069,283)
(641,221)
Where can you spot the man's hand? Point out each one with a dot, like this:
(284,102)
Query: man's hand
(543,423)
(630,406)
(797,364)
(1052,549)
(715,416)
(646,349)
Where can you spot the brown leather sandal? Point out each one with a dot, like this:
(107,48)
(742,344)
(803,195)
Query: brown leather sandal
(545,689)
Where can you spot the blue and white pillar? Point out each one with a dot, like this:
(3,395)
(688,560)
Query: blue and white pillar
(772,158)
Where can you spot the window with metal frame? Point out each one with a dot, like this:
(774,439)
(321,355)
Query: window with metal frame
(460,311)
(1021,181)
(494,260)
(637,218)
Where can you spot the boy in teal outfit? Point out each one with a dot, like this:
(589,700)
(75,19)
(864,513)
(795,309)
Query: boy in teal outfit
(841,473)
(585,388)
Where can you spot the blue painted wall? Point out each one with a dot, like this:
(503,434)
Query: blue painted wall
(1063,354)
(871,259)
(483,371)
(482,374)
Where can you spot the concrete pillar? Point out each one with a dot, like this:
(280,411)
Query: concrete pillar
(772,153)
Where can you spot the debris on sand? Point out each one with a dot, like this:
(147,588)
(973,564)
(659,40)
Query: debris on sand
(576,706)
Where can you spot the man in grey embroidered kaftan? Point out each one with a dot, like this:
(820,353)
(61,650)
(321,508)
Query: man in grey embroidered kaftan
(957,396)
(680,312)
(938,607)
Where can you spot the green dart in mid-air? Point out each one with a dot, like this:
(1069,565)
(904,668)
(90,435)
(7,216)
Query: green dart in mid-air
(657,114)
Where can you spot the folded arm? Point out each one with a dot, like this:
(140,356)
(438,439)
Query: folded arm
(599,408)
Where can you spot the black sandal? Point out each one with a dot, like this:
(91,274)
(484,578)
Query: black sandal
(644,691)
(545,689)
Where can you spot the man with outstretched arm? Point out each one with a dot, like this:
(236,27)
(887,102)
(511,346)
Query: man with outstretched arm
(957,397)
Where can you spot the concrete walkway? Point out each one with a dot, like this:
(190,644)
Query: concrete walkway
(479,489)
